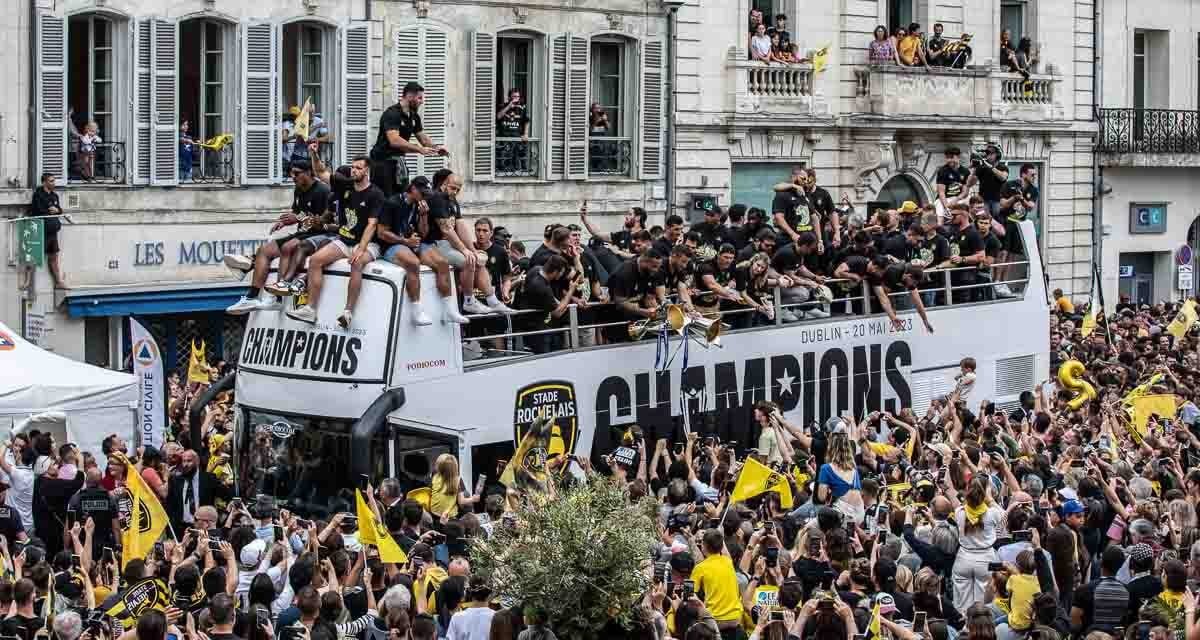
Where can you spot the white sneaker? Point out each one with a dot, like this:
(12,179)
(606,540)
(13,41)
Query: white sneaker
(303,313)
(271,304)
(452,315)
(1003,291)
(238,262)
(421,319)
(816,313)
(345,319)
(500,307)
(473,306)
(243,306)
(279,288)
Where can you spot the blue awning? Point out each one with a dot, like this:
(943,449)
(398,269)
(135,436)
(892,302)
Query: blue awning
(93,304)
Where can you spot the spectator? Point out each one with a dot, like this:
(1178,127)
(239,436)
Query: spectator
(910,48)
(881,49)
(187,147)
(46,205)
(760,44)
(88,143)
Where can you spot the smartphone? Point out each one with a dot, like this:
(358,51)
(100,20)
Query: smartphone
(881,514)
(363,481)
(303,524)
(235,503)
(919,622)
(814,546)
(678,448)
(159,552)
(772,556)
(881,539)
(660,572)
(1022,535)
(76,562)
(769,527)
(263,617)
(214,544)
(1078,464)
(957,454)
(689,589)
(995,566)
(777,615)
(479,480)
(107,555)
(710,441)
(278,533)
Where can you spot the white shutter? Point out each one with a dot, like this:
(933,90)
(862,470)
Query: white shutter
(164,106)
(577,107)
(483,112)
(421,55)
(651,123)
(141,149)
(356,91)
(260,114)
(52,96)
(557,105)
(407,56)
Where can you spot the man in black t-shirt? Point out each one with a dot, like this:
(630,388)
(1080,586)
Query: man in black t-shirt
(399,123)
(539,294)
(896,278)
(309,213)
(716,282)
(745,235)
(991,174)
(821,203)
(951,182)
(512,123)
(991,250)
(498,266)
(799,281)
(357,220)
(966,250)
(1017,201)
(634,289)
(619,244)
(671,236)
(785,38)
(677,275)
(764,242)
(711,231)
(791,209)
(46,205)
(935,47)
(396,233)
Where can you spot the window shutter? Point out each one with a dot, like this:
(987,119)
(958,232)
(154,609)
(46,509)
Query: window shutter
(142,117)
(652,110)
(557,104)
(356,91)
(52,97)
(483,113)
(421,55)
(577,108)
(260,114)
(164,108)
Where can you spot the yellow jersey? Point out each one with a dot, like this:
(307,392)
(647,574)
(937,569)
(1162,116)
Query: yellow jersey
(716,579)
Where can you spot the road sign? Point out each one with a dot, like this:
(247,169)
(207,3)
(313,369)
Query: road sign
(31,241)
(1183,255)
(1184,278)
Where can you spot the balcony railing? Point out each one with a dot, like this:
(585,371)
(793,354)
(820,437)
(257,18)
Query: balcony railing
(776,89)
(1038,90)
(517,158)
(109,164)
(1149,131)
(895,91)
(213,166)
(777,80)
(324,151)
(610,156)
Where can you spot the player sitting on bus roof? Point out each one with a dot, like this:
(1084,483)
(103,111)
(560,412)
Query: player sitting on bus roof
(474,274)
(358,213)
(398,237)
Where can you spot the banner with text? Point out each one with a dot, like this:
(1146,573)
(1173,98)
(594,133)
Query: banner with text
(148,367)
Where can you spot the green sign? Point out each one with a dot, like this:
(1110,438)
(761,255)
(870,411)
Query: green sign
(31,241)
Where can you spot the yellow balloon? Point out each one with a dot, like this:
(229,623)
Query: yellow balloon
(1070,375)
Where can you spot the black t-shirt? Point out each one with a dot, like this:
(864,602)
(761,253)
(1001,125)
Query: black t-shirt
(10,523)
(749,286)
(896,245)
(512,123)
(787,259)
(357,210)
(795,209)
(675,277)
(953,179)
(623,239)
(712,235)
(399,216)
(630,283)
(936,43)
(723,277)
(395,118)
(42,202)
(538,293)
(310,205)
(821,202)
(663,247)
(1017,212)
(933,251)
(97,505)
(893,278)
(440,208)
(22,627)
(542,254)
(498,265)
(991,249)
(966,242)
(990,185)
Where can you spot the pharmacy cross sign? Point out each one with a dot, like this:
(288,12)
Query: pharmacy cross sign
(31,242)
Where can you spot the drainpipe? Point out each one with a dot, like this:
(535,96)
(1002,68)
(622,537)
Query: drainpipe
(1097,170)
(35,86)
(672,17)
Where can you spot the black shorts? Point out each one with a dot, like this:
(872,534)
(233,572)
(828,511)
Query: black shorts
(51,242)
(299,235)
(1012,238)
(389,174)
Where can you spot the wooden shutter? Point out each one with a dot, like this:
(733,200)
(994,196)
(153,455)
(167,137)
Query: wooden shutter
(651,123)
(422,55)
(356,91)
(577,107)
(557,105)
(483,108)
(52,96)
(164,105)
(260,112)
(141,149)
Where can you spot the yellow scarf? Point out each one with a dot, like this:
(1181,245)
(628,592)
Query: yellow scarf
(975,514)
(1172,599)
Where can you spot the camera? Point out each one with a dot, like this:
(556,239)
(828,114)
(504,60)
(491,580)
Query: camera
(979,155)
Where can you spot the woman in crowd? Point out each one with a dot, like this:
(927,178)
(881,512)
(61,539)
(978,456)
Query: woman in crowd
(882,50)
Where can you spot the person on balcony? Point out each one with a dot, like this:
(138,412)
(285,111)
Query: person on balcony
(756,20)
(1027,58)
(760,45)
(778,53)
(512,122)
(935,47)
(785,36)
(187,151)
(881,50)
(87,151)
(1008,53)
(910,48)
(601,153)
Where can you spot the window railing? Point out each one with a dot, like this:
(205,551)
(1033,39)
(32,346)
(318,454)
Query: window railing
(1038,90)
(610,156)
(776,80)
(958,287)
(517,158)
(108,166)
(1149,131)
(324,151)
(213,166)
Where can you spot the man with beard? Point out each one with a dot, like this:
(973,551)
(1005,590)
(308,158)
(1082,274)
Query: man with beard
(966,249)
(1017,201)
(712,232)
(633,287)
(458,241)
(764,242)
(932,252)
(756,220)
(619,243)
(792,209)
(951,181)
(677,276)
(716,282)
(399,240)
(398,124)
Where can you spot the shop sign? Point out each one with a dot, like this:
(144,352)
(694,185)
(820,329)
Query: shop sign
(192,252)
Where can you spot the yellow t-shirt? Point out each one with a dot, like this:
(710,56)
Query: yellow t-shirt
(1065,305)
(882,449)
(716,579)
(439,500)
(907,48)
(1022,590)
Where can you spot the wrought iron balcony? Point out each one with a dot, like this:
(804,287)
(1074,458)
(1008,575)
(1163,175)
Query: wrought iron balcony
(517,158)
(213,166)
(1148,131)
(108,165)
(610,156)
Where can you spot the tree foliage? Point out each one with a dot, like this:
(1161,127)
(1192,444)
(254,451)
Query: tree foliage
(578,557)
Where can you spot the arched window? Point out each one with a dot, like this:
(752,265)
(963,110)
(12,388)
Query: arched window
(899,188)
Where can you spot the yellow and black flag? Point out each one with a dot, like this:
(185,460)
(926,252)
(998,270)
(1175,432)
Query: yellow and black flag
(372,531)
(141,596)
(757,478)
(147,518)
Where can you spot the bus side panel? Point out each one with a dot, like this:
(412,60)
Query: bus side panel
(432,351)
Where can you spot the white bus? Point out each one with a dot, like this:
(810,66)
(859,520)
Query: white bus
(384,398)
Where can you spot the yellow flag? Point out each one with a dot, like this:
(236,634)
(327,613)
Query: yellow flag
(372,531)
(1183,320)
(873,631)
(757,478)
(1142,389)
(300,127)
(147,519)
(197,368)
(1089,321)
(820,59)
(422,496)
(1162,405)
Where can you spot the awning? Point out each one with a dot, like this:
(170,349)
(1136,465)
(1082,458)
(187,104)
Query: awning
(160,298)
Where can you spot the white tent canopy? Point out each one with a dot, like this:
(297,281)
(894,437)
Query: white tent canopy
(34,382)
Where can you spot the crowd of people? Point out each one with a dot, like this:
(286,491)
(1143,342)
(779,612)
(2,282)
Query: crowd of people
(908,47)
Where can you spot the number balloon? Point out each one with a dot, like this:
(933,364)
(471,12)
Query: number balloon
(1070,375)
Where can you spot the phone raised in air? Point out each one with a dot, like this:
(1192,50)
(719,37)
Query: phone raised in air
(278,533)
(919,621)
(689,589)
